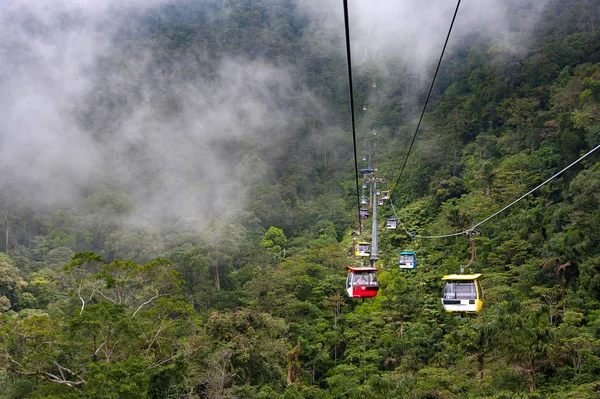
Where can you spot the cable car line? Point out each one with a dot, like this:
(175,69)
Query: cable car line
(349,62)
(426,100)
(412,235)
(471,229)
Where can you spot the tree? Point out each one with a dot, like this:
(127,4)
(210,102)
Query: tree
(275,241)
(11,285)
(532,341)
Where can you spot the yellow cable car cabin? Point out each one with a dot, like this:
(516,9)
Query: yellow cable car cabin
(385,195)
(462,293)
(362,249)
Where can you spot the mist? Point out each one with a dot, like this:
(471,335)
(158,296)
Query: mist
(412,32)
(81,105)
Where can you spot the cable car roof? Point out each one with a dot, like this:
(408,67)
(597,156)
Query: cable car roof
(471,277)
(363,242)
(361,269)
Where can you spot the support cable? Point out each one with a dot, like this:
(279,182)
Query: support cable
(426,101)
(471,229)
(349,62)
(412,235)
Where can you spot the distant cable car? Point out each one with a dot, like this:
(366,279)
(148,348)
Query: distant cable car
(364,171)
(364,213)
(374,132)
(385,195)
(373,84)
(380,202)
(362,282)
(364,107)
(364,201)
(391,224)
(362,249)
(462,293)
(407,260)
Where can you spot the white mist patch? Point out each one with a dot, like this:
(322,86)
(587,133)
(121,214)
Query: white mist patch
(412,32)
(181,149)
(78,107)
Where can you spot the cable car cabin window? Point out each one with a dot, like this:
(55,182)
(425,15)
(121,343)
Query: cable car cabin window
(406,259)
(364,248)
(479,289)
(460,290)
(365,279)
(348,281)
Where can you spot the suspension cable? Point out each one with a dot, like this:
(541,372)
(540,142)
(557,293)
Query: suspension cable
(412,235)
(471,229)
(349,62)
(426,101)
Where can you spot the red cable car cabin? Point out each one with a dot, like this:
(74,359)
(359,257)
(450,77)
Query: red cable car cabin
(362,282)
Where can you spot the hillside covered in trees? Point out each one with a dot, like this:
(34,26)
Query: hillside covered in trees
(178,198)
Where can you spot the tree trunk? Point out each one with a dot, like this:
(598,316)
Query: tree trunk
(217,281)
(7,232)
(530,377)
(293,369)
(325,136)
(481,367)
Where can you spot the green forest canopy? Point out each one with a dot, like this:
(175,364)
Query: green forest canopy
(96,302)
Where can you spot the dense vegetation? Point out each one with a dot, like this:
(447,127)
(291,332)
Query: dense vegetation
(253,306)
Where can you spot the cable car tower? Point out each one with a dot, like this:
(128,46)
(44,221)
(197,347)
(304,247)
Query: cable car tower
(371,181)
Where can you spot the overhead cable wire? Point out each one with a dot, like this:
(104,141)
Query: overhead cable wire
(400,221)
(349,62)
(537,187)
(471,229)
(426,100)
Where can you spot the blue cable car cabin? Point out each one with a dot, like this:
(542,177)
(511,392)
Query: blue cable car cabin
(407,260)
(462,293)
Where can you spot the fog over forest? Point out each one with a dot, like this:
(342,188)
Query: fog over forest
(83,100)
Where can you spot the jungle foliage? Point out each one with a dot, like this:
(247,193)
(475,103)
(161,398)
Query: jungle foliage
(254,305)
